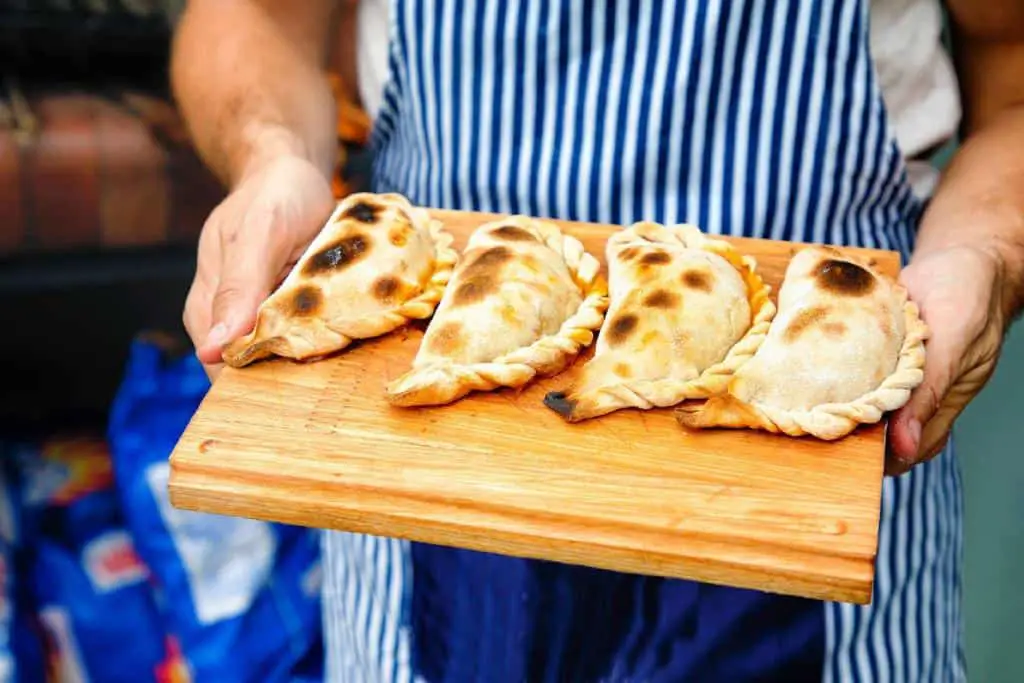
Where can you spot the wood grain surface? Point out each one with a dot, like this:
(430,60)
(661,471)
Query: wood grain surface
(316,444)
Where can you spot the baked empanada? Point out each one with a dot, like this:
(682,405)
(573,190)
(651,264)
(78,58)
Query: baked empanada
(523,301)
(685,311)
(846,347)
(377,263)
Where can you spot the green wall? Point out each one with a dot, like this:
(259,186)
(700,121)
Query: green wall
(990,439)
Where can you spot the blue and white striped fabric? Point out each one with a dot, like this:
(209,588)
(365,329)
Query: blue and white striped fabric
(748,117)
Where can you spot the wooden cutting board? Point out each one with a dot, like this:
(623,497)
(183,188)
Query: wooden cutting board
(317,445)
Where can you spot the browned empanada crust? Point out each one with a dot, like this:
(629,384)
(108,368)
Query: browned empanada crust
(377,263)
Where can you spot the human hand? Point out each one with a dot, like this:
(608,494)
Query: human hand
(959,290)
(248,245)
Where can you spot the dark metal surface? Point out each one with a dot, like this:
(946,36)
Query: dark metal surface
(66,322)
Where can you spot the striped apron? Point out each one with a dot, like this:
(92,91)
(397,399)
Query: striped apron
(760,118)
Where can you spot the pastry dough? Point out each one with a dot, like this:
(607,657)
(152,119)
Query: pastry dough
(846,347)
(524,300)
(685,312)
(378,263)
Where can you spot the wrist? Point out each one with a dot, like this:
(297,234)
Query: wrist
(266,144)
(1005,274)
(996,232)
(1006,279)
(261,145)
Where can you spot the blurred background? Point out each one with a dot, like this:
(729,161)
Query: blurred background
(101,201)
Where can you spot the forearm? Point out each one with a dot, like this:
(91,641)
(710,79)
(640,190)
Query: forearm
(248,78)
(980,202)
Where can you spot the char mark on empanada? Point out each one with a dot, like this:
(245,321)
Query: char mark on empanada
(846,347)
(685,311)
(377,263)
(523,302)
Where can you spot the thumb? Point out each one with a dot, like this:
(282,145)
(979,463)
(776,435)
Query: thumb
(244,284)
(908,423)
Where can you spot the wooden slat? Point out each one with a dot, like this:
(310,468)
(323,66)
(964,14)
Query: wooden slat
(317,445)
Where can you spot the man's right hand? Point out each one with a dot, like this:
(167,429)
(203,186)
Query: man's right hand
(248,245)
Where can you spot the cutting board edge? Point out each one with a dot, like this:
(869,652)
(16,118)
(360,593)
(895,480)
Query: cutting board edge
(245,501)
(185,465)
(189,461)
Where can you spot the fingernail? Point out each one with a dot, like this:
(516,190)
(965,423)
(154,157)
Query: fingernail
(218,335)
(914,427)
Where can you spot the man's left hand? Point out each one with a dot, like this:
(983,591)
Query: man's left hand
(959,290)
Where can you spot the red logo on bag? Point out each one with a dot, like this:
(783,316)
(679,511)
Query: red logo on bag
(111,561)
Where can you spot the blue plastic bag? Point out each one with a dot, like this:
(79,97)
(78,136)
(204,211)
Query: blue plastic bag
(8,578)
(96,610)
(84,608)
(242,597)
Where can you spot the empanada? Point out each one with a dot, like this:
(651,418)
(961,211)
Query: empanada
(377,263)
(523,301)
(846,347)
(685,312)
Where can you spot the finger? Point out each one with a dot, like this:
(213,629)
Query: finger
(934,437)
(937,430)
(245,282)
(918,429)
(196,318)
(895,467)
(213,370)
(906,424)
(938,423)
(930,449)
(198,301)
(196,313)
(943,352)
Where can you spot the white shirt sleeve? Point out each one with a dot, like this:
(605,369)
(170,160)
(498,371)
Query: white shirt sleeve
(918,81)
(373,33)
